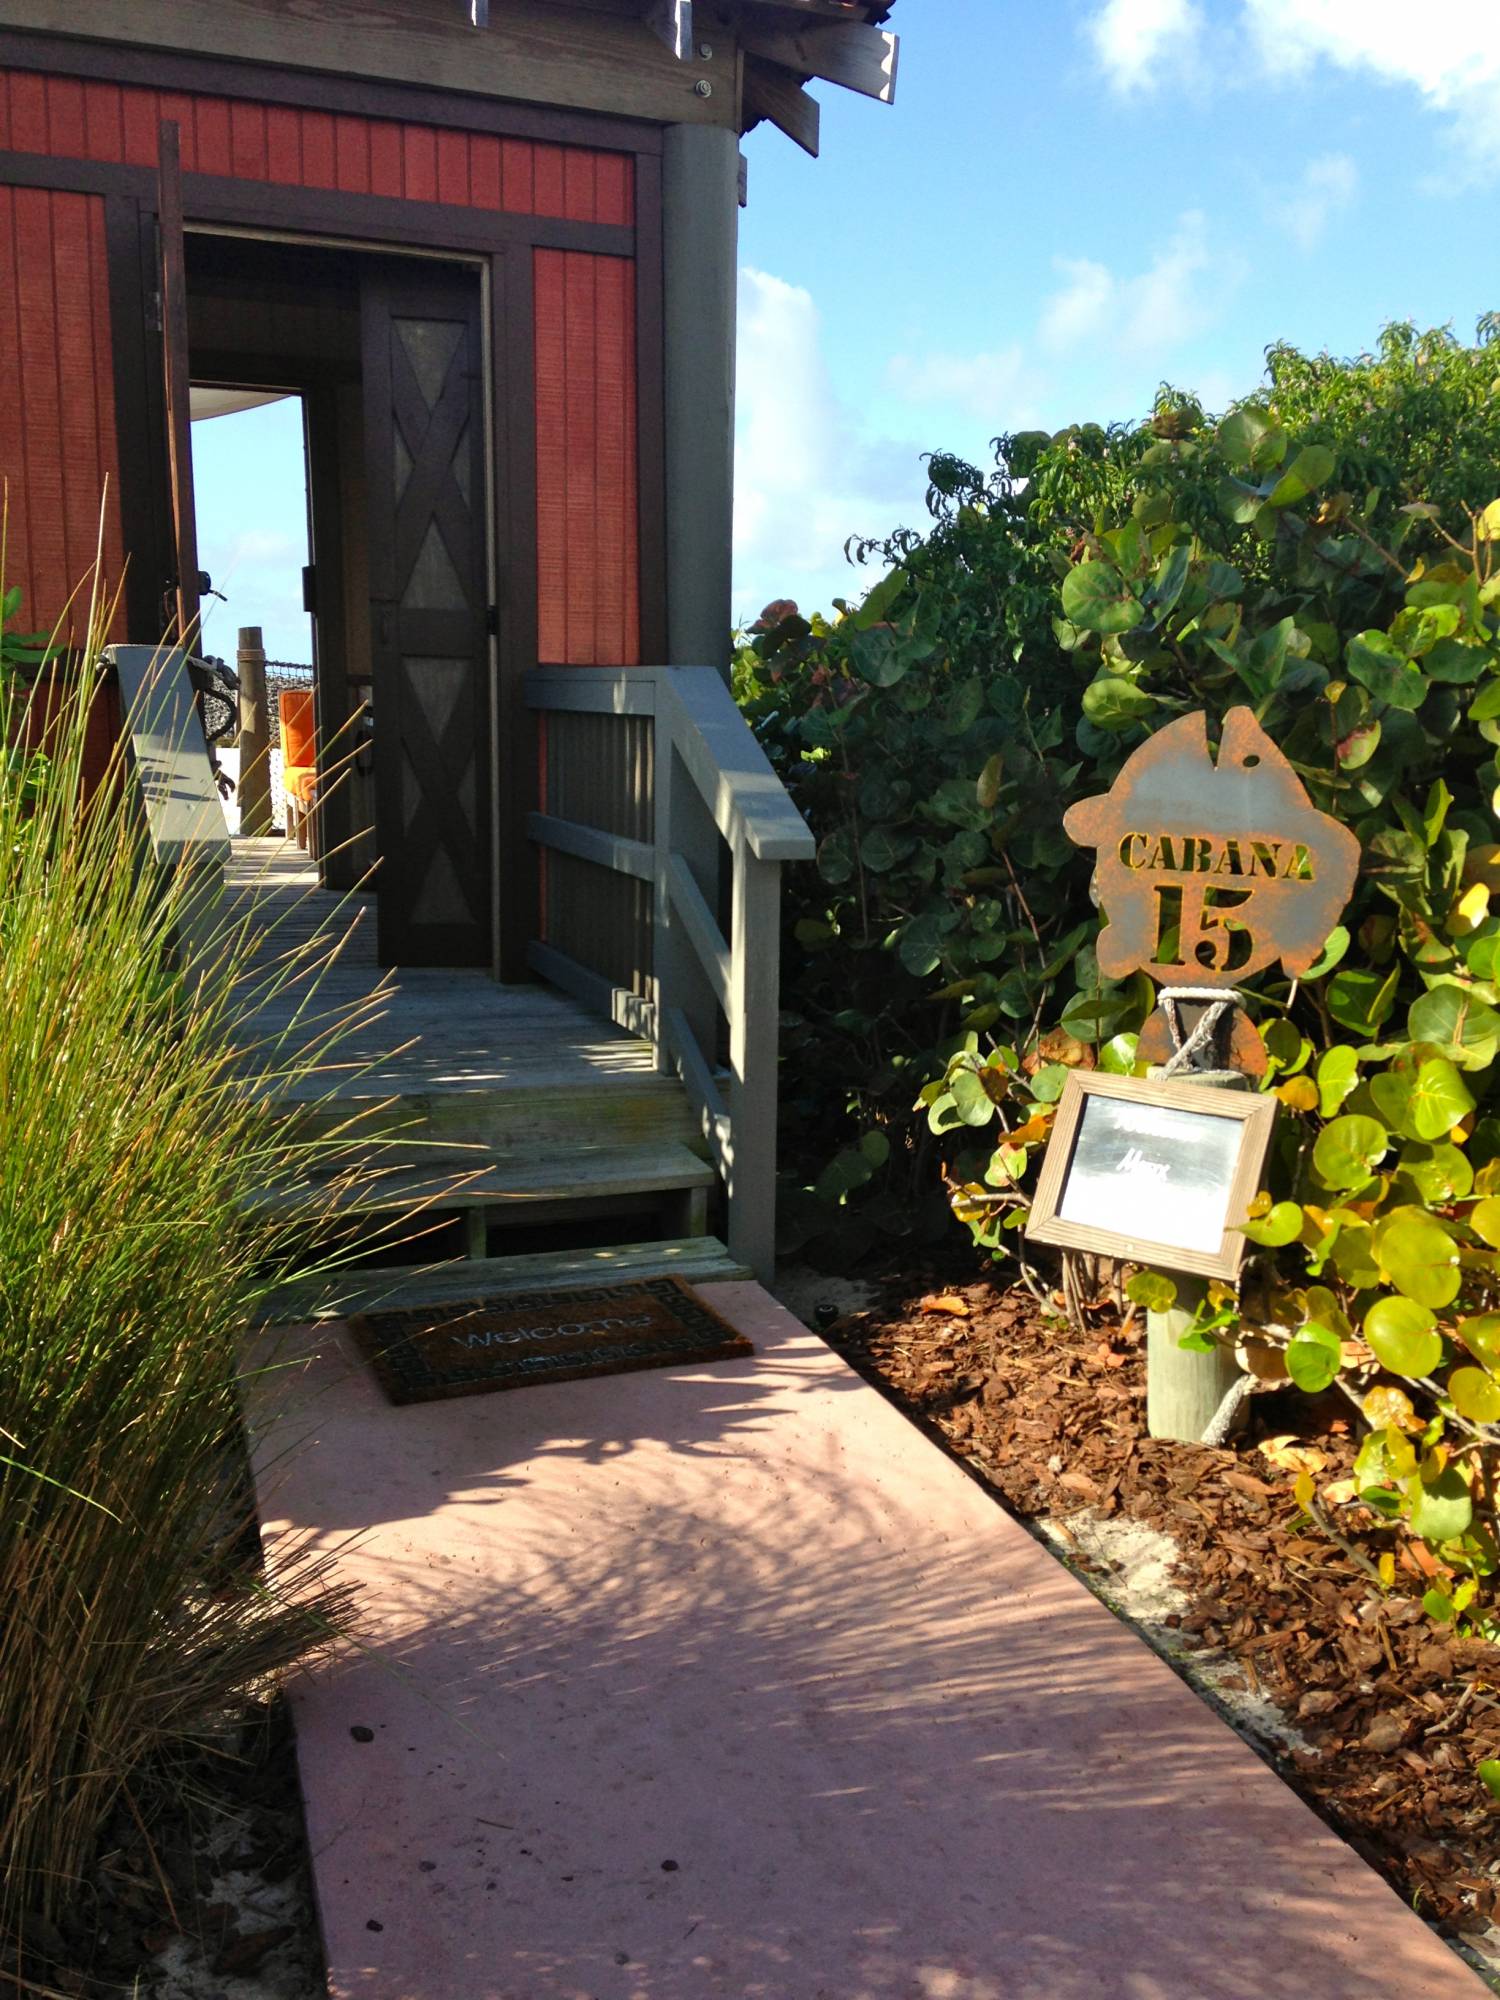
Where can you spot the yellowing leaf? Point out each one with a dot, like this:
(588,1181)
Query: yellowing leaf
(1386,1405)
(946,1302)
(1298,1093)
(1487,523)
(1387,1568)
(1470,911)
(1290,1454)
(1304,1491)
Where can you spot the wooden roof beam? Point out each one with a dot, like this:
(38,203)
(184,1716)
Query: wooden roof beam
(853,55)
(671,21)
(775,93)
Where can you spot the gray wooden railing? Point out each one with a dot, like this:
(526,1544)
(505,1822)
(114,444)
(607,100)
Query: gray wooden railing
(670,827)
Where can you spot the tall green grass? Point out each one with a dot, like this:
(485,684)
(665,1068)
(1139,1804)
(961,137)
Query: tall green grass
(135,1249)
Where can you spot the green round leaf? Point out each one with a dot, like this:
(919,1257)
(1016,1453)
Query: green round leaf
(1439,1099)
(1113,704)
(1338,1072)
(1450,1016)
(1281,1226)
(1335,945)
(836,858)
(1403,1337)
(1313,464)
(1475,1394)
(1489,1775)
(1117,1055)
(1096,598)
(1484,1220)
(1440,1173)
(1151,1289)
(1378,663)
(1347,1150)
(970,1098)
(1480,1333)
(1420,1258)
(1312,1357)
(1442,1508)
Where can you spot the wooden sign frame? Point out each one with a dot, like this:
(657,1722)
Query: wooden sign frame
(1255,1114)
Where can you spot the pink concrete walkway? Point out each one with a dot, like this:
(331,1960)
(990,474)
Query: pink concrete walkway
(727,1683)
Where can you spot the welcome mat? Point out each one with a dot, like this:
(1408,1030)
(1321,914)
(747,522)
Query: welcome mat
(423,1353)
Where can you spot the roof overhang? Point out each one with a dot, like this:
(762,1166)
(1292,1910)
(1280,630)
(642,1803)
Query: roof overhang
(787,43)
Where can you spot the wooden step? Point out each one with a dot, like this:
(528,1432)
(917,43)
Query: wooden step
(530,1117)
(699,1259)
(592,1173)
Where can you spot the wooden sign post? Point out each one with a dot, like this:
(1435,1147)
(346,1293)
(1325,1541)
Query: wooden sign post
(1207,872)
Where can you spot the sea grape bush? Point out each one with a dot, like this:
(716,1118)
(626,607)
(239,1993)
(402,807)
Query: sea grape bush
(1328,554)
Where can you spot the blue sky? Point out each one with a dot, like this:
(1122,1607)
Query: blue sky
(1070,201)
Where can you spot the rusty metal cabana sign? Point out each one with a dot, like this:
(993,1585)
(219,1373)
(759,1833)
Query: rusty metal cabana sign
(1208,872)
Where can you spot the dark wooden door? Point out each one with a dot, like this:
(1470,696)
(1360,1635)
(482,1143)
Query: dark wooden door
(424,436)
(180,600)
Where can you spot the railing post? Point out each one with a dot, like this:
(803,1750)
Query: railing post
(684,827)
(755,953)
(253,788)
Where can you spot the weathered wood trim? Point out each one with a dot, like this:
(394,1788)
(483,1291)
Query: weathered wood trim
(702,1085)
(250,204)
(48,170)
(700,177)
(513,417)
(137,446)
(753,1015)
(211,198)
(774,93)
(588,843)
(593,690)
(729,768)
(540,53)
(849,53)
(701,929)
(650,403)
(630,1011)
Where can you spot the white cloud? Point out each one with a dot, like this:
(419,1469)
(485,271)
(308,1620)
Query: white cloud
(993,386)
(806,477)
(1178,295)
(1450,55)
(1326,188)
(1138,41)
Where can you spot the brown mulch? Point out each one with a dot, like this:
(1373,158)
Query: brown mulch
(154,1882)
(1397,1712)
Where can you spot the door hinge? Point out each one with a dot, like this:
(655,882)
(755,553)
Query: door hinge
(153,310)
(310,589)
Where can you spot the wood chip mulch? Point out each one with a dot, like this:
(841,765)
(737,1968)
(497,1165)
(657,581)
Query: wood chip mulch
(154,1885)
(1395,1713)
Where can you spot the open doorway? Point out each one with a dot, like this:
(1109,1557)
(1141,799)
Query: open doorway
(250,490)
(381,357)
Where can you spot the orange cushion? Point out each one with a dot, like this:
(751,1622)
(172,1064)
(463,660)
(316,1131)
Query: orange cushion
(301,781)
(298,729)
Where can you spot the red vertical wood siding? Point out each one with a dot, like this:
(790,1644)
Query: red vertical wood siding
(316,149)
(56,402)
(57,405)
(588,567)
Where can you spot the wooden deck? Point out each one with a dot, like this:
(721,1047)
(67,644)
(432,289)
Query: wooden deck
(420,1032)
(509,1104)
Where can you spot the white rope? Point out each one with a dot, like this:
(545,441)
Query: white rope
(1220,999)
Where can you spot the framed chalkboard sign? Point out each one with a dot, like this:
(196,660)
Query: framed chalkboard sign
(1156,1173)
